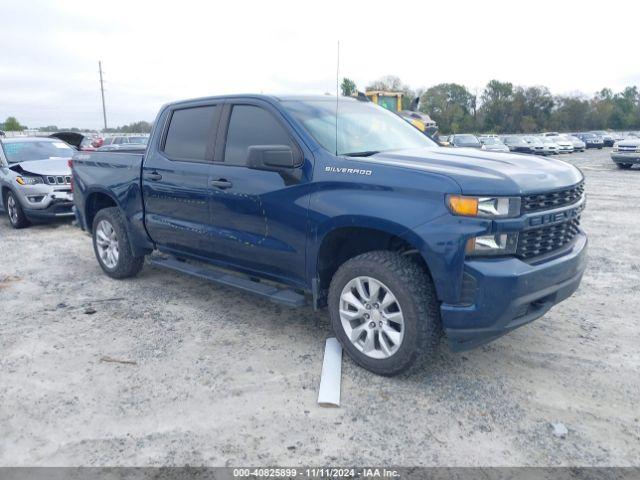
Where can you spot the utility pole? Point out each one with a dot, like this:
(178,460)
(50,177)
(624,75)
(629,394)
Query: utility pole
(104,110)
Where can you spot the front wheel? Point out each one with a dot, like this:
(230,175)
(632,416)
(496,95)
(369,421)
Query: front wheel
(384,311)
(624,166)
(111,245)
(14,211)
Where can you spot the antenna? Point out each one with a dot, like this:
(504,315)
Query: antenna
(337,93)
(104,110)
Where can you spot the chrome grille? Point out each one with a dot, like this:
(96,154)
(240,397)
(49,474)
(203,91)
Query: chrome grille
(550,200)
(532,243)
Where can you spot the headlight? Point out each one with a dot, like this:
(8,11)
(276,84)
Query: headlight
(29,180)
(485,207)
(498,244)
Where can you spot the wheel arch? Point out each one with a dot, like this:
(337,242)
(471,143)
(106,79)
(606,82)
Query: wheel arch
(96,201)
(4,191)
(349,238)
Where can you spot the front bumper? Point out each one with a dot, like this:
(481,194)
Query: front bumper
(55,210)
(511,293)
(626,157)
(44,201)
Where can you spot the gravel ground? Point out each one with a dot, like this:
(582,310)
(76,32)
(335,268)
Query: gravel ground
(221,378)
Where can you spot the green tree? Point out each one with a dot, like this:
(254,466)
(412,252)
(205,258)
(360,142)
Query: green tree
(451,105)
(11,124)
(539,104)
(135,127)
(497,104)
(348,87)
(571,114)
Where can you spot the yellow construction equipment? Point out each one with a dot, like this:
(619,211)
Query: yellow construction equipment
(393,101)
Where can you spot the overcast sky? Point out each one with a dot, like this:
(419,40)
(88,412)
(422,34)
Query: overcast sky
(156,52)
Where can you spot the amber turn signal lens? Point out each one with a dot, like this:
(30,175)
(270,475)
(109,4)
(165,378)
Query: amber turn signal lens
(467,206)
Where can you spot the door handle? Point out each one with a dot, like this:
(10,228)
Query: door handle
(221,183)
(154,176)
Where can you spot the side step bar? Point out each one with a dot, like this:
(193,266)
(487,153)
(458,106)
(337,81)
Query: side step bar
(277,295)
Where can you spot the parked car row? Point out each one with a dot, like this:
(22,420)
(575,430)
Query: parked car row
(547,143)
(91,143)
(625,152)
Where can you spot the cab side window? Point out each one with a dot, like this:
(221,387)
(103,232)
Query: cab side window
(249,126)
(189,133)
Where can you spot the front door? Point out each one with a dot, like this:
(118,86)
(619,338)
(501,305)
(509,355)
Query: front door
(176,184)
(259,217)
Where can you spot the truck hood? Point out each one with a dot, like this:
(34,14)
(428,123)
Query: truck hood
(50,166)
(480,172)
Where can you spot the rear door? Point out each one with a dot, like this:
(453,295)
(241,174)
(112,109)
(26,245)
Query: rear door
(259,217)
(175,180)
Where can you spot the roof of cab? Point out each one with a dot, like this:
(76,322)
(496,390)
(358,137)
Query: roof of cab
(272,98)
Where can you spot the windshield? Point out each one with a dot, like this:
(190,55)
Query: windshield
(138,140)
(363,128)
(490,141)
(17,152)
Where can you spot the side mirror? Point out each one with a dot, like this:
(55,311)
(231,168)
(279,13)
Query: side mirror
(273,157)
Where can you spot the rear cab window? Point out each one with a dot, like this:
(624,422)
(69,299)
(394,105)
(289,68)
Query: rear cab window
(190,132)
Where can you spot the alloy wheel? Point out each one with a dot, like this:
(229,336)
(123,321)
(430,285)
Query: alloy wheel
(371,317)
(107,243)
(12,209)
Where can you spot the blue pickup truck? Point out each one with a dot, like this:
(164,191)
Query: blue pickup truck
(342,205)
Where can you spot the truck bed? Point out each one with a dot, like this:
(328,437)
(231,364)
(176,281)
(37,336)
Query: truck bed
(113,174)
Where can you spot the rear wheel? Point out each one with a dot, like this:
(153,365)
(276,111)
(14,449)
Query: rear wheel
(14,211)
(624,166)
(384,311)
(111,245)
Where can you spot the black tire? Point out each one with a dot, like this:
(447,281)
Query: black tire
(14,210)
(127,264)
(624,166)
(416,297)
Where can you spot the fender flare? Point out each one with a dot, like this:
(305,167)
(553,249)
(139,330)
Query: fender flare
(133,244)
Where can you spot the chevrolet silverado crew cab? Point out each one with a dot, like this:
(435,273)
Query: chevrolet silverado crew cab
(346,206)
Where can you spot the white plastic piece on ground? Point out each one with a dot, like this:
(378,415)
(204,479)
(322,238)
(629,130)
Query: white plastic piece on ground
(329,394)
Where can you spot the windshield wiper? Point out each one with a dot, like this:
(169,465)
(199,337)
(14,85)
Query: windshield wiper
(366,153)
